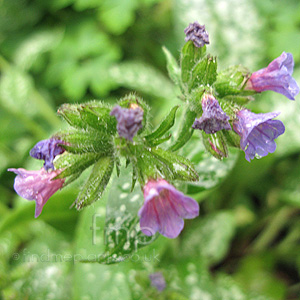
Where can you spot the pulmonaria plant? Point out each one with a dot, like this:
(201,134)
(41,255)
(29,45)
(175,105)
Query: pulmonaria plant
(111,138)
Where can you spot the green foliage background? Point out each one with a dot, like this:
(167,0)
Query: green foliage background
(246,242)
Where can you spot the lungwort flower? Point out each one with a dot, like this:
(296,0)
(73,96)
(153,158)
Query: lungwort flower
(213,118)
(164,209)
(257,132)
(129,121)
(276,77)
(37,185)
(47,150)
(197,34)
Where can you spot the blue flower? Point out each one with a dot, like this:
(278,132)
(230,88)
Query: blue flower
(276,77)
(158,281)
(164,209)
(213,118)
(257,132)
(197,34)
(47,150)
(129,121)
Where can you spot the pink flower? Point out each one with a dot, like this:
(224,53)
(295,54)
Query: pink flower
(165,208)
(37,185)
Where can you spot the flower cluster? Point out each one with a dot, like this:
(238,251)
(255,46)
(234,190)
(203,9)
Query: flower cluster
(101,135)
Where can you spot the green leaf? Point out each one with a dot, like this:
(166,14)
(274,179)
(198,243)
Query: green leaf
(164,126)
(179,168)
(186,130)
(142,77)
(172,67)
(189,56)
(210,237)
(74,163)
(96,183)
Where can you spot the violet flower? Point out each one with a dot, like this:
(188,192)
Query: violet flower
(213,118)
(37,185)
(47,150)
(164,209)
(277,77)
(158,281)
(197,34)
(129,121)
(257,132)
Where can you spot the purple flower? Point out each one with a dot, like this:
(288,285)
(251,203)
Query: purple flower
(213,118)
(129,121)
(277,77)
(164,209)
(257,132)
(37,185)
(197,34)
(158,281)
(47,150)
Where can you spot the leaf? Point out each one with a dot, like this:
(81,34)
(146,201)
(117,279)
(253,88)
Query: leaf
(186,130)
(210,237)
(215,144)
(118,15)
(142,77)
(96,183)
(172,66)
(164,126)
(39,42)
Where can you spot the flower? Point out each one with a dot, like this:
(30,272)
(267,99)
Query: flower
(37,185)
(164,209)
(277,77)
(47,150)
(129,121)
(158,281)
(197,34)
(257,132)
(213,118)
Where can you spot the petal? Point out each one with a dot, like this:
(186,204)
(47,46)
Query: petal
(148,219)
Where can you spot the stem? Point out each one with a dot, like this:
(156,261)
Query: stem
(272,229)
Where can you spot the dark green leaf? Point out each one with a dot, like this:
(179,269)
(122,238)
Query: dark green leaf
(172,66)
(186,130)
(164,126)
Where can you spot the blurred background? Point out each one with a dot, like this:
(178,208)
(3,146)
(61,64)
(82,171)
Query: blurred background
(246,242)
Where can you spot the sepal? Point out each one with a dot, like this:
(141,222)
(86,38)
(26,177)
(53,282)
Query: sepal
(203,73)
(96,183)
(231,81)
(189,56)
(74,163)
(215,144)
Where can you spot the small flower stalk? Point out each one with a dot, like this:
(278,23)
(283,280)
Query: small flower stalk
(277,77)
(257,132)
(213,118)
(37,185)
(165,208)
